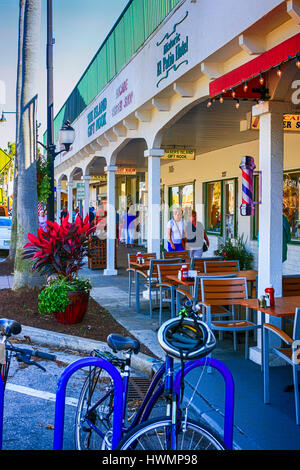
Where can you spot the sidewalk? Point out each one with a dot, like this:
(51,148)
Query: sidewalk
(257,426)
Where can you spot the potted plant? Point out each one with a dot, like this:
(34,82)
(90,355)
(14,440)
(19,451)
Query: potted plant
(58,253)
(235,249)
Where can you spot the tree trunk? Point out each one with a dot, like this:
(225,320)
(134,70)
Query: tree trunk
(27,211)
(13,239)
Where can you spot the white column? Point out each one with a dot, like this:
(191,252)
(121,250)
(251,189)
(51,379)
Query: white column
(70,199)
(111,221)
(270,210)
(58,202)
(86,202)
(154,236)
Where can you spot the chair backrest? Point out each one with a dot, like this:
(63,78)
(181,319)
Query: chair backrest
(197,285)
(146,256)
(221,266)
(184,255)
(198,263)
(290,285)
(165,270)
(153,271)
(224,289)
(296,328)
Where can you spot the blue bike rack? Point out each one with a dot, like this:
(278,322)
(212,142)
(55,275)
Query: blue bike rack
(61,397)
(229,392)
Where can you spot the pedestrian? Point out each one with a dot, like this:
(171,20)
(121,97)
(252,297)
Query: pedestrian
(92,215)
(196,236)
(43,221)
(64,213)
(286,233)
(130,225)
(176,231)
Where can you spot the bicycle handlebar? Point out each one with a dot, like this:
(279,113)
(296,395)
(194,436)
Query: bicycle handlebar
(24,355)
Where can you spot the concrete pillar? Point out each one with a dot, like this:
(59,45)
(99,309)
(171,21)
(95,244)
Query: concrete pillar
(270,210)
(154,236)
(111,221)
(86,202)
(58,202)
(70,199)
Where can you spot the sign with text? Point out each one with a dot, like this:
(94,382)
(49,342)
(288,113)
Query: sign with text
(126,171)
(80,191)
(97,117)
(291,122)
(174,50)
(179,154)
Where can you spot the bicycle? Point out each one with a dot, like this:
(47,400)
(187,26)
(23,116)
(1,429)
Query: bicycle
(10,328)
(93,424)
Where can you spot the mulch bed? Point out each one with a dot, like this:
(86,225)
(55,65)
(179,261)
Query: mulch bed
(22,306)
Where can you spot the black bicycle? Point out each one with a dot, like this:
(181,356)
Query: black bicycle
(8,350)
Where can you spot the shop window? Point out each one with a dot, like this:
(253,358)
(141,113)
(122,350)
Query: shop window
(182,196)
(221,197)
(291,189)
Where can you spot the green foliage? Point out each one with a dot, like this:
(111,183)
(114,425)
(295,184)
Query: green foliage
(43,179)
(235,249)
(54,297)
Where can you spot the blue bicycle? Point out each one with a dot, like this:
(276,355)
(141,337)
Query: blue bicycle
(184,338)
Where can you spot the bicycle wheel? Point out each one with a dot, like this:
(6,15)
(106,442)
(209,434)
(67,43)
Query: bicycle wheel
(94,412)
(155,435)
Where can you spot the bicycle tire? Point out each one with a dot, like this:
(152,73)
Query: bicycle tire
(151,435)
(97,385)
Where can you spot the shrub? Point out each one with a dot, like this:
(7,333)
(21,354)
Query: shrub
(235,249)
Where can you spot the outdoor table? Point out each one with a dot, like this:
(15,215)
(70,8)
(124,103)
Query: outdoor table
(284,307)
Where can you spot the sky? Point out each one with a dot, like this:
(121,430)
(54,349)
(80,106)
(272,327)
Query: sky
(79,28)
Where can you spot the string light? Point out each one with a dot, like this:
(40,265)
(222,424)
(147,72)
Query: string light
(237,104)
(209,103)
(221,99)
(261,79)
(298,61)
(279,71)
(245,86)
(233,93)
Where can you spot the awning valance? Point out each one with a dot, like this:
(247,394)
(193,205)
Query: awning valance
(278,55)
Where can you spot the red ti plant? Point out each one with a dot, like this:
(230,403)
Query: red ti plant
(61,248)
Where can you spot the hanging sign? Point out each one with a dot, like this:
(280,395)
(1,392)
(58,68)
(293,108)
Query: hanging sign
(100,178)
(291,122)
(126,171)
(179,154)
(80,191)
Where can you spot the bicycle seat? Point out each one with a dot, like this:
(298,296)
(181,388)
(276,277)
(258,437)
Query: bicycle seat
(9,327)
(122,343)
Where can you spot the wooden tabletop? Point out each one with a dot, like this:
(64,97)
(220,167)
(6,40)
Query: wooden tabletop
(250,275)
(143,267)
(284,306)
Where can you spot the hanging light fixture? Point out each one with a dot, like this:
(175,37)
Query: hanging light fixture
(233,93)
(279,71)
(209,103)
(221,99)
(298,61)
(237,104)
(261,79)
(245,87)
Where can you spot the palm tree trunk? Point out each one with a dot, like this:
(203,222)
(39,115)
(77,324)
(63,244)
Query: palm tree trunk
(27,215)
(13,239)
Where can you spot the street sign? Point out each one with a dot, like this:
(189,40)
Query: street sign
(80,189)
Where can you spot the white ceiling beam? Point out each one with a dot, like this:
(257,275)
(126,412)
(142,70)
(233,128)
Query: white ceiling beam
(161,104)
(212,70)
(293,9)
(185,90)
(252,44)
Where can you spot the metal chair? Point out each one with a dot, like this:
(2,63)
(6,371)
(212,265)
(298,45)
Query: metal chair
(221,266)
(290,354)
(131,271)
(183,255)
(198,263)
(226,291)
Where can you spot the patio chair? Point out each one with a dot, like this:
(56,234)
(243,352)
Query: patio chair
(226,291)
(198,263)
(150,279)
(131,271)
(183,255)
(166,285)
(221,266)
(290,354)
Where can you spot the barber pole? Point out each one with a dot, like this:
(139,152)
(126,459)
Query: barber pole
(247,166)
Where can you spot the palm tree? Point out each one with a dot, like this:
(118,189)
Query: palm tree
(13,239)
(27,216)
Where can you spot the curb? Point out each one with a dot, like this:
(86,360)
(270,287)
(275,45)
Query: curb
(140,362)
